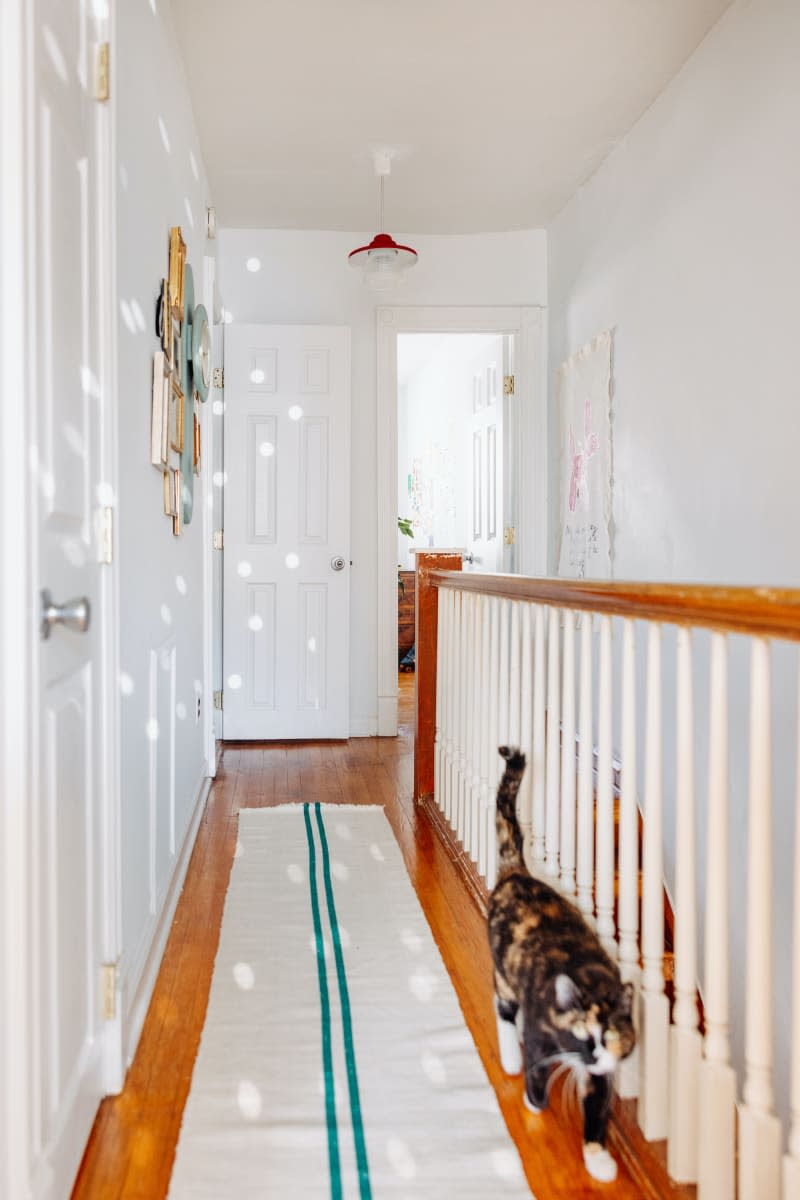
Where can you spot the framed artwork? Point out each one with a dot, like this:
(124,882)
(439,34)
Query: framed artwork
(162,317)
(177,262)
(176,416)
(177,518)
(196,463)
(159,412)
(167,480)
(176,348)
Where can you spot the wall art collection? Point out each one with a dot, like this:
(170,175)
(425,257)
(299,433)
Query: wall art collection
(181,379)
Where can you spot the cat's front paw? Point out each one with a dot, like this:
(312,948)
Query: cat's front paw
(510,1050)
(599,1163)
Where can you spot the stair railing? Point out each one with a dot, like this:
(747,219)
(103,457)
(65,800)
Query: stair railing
(510,659)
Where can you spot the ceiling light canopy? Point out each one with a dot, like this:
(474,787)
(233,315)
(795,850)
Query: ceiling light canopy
(384,262)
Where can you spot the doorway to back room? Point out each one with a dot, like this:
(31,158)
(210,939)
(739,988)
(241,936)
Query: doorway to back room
(456,477)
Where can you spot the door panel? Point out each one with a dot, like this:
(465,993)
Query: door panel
(486,545)
(287,521)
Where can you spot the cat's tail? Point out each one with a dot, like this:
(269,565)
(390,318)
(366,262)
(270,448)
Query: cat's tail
(509,834)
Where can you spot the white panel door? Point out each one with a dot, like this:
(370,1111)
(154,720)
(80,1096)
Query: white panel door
(66,877)
(485,517)
(287,532)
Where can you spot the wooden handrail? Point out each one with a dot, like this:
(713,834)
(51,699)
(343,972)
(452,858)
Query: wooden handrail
(761,611)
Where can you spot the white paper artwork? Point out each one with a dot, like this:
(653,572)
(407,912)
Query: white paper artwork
(584,391)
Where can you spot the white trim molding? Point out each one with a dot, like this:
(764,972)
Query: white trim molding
(528,326)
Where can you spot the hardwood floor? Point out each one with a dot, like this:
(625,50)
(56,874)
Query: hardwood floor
(132,1145)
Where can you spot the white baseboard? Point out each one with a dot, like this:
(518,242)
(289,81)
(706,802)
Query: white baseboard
(138,976)
(363,726)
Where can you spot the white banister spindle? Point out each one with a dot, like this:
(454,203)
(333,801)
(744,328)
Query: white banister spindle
(686,1045)
(485,735)
(455,762)
(553,784)
(465,650)
(585,854)
(495,761)
(538,819)
(568,814)
(653,1110)
(759,1128)
(791,1160)
(505,673)
(475,742)
(526,721)
(449,691)
(604,883)
(438,750)
(515,671)
(628,1084)
(716,1178)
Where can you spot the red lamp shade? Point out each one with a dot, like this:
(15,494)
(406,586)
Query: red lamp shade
(383,262)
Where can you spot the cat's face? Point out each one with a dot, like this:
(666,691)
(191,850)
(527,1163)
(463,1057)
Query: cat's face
(599,1029)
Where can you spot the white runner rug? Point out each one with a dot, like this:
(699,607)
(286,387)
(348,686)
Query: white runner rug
(335,1062)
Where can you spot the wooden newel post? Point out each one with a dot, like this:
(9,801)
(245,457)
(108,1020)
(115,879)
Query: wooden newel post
(426,632)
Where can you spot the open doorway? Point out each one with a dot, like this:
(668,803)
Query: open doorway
(456,457)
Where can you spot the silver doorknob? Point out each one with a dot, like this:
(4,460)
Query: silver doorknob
(337,563)
(75,614)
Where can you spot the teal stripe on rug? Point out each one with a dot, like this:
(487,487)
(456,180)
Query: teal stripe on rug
(365,1190)
(327,1053)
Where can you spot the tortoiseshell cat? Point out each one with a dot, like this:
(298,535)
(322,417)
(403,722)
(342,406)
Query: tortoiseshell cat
(550,965)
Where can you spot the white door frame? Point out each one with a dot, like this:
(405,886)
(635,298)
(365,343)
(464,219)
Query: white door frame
(207,494)
(528,325)
(19,590)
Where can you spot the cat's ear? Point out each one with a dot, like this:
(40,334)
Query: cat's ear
(567,994)
(626,1005)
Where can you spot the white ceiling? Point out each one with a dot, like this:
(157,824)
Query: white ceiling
(496,112)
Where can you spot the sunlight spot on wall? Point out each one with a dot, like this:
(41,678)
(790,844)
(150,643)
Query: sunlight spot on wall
(245,569)
(153,5)
(295,412)
(73,439)
(180,711)
(244,976)
(47,484)
(126,684)
(227,316)
(377,853)
(266,449)
(344,936)
(198,688)
(123,177)
(194,166)
(434,1068)
(292,561)
(90,383)
(253,264)
(127,316)
(411,940)
(312,644)
(166,615)
(234,682)
(220,478)
(54,54)
(218,408)
(401,1158)
(423,985)
(257,375)
(151,729)
(210,501)
(248,1098)
(189,213)
(340,871)
(506,1165)
(162,129)
(180,584)
(296,873)
(105,494)
(138,316)
(74,551)
(256,623)
(100,9)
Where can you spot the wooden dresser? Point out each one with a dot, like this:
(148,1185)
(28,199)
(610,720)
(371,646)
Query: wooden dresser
(405,614)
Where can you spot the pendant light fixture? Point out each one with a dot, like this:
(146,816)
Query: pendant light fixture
(383,263)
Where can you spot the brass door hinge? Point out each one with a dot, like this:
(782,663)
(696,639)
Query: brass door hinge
(508,385)
(219,377)
(510,535)
(218,539)
(102,87)
(109,991)
(218,698)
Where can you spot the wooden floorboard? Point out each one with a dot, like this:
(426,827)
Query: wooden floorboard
(132,1145)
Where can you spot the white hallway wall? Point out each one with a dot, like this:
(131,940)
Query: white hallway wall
(161,183)
(685,241)
(304,279)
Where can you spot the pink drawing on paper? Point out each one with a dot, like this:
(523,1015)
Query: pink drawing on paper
(579,455)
